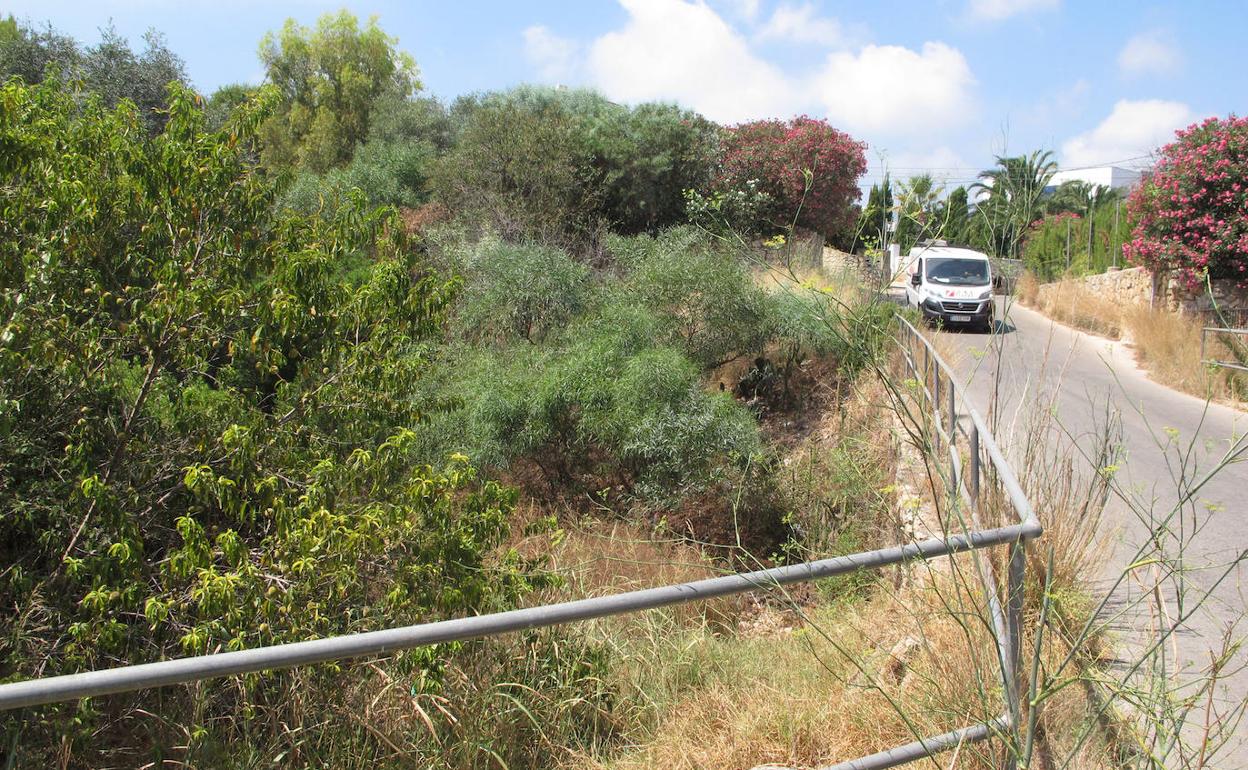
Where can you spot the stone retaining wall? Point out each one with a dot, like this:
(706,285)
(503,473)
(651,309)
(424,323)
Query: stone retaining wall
(1136,285)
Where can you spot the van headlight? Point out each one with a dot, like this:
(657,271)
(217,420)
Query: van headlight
(986,294)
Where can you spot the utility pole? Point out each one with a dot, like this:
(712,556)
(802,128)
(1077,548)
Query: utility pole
(1068,243)
(1117,247)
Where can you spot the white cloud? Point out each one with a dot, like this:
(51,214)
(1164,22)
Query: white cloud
(895,90)
(997,10)
(1133,129)
(1149,54)
(683,51)
(801,24)
(555,58)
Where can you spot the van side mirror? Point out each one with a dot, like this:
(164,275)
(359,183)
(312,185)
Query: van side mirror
(916,279)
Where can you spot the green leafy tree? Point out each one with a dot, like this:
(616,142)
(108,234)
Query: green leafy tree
(873,220)
(650,155)
(111,68)
(225,100)
(206,426)
(392,167)
(953,217)
(331,79)
(560,165)
(520,168)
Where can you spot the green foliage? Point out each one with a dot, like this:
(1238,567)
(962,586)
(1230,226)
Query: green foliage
(871,231)
(1105,231)
(709,306)
(520,292)
(953,218)
(803,330)
(207,420)
(110,69)
(224,101)
(557,166)
(330,79)
(521,171)
(391,168)
(917,211)
(1009,200)
(650,155)
(606,406)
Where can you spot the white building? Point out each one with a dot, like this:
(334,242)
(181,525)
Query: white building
(1113,177)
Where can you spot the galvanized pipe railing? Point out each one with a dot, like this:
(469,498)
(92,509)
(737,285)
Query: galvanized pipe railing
(1007,629)
(1204,359)
(183,670)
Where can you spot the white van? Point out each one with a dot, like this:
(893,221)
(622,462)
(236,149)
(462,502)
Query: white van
(951,285)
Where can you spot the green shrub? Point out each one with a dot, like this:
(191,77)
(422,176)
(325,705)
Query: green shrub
(706,301)
(205,404)
(520,292)
(604,403)
(804,328)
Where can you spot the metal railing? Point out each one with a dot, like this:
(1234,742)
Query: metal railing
(1005,621)
(1204,358)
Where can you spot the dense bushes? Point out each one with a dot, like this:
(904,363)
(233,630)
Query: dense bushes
(238,406)
(560,167)
(205,439)
(807,170)
(1192,210)
(709,306)
(598,385)
(596,381)
(1045,250)
(520,292)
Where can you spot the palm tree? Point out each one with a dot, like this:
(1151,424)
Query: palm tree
(916,210)
(1009,197)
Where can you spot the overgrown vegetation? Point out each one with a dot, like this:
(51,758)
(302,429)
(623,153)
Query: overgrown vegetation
(325,356)
(240,405)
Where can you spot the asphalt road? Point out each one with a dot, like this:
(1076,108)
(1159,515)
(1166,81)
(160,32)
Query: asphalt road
(1168,440)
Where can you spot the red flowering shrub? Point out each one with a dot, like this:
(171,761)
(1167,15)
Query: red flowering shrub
(1192,211)
(779,156)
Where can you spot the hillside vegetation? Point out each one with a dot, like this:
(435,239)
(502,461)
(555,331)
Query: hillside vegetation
(287,363)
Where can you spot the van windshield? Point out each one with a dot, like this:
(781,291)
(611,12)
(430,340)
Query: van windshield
(957,272)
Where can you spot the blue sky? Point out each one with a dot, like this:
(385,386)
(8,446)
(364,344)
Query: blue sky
(939,86)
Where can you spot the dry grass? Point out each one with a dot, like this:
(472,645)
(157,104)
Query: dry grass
(1167,344)
(852,680)
(1069,302)
(914,658)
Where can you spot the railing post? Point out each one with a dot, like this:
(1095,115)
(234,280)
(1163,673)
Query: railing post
(927,365)
(973,442)
(936,404)
(1014,625)
(953,413)
(953,435)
